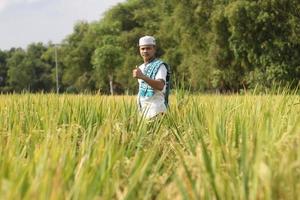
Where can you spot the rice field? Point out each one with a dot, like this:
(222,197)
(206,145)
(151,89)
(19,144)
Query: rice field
(99,147)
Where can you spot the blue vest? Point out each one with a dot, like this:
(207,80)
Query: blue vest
(151,70)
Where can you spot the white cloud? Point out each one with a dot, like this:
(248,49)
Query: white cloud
(32,1)
(3,4)
(6,3)
(23,1)
(86,9)
(26,21)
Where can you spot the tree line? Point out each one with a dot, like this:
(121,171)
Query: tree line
(224,45)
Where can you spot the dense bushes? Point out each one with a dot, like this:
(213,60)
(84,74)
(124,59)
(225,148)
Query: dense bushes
(210,45)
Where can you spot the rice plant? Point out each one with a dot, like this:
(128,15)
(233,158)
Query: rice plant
(99,147)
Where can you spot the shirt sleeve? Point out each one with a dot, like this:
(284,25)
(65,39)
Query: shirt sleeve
(161,73)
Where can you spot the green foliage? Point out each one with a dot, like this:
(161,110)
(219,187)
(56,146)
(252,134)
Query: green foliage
(260,37)
(20,71)
(75,54)
(3,68)
(219,45)
(106,60)
(28,71)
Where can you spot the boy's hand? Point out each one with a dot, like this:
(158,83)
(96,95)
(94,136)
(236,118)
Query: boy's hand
(137,73)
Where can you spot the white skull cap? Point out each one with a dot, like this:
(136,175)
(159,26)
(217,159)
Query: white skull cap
(147,40)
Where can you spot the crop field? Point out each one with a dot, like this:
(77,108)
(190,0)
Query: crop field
(99,147)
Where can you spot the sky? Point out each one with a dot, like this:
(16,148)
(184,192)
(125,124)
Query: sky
(26,21)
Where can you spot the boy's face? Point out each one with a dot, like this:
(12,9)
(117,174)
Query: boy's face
(147,52)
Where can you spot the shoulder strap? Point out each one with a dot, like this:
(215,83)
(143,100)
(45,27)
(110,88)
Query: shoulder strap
(168,84)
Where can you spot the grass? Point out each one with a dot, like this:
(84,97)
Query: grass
(97,147)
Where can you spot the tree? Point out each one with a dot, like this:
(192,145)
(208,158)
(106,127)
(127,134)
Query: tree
(220,44)
(20,72)
(106,60)
(76,53)
(41,69)
(28,71)
(3,68)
